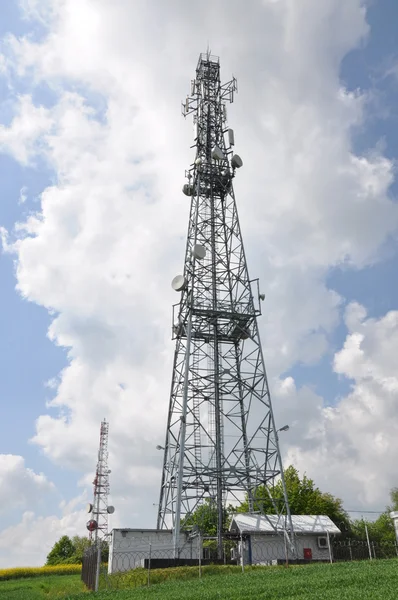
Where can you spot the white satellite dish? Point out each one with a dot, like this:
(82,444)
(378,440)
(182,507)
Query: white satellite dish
(236,161)
(179,283)
(110,510)
(199,251)
(89,508)
(217,153)
(198,161)
(187,189)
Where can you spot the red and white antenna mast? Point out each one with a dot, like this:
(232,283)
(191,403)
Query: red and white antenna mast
(99,509)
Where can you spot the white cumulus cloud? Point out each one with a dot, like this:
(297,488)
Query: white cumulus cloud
(20,486)
(29,542)
(353,445)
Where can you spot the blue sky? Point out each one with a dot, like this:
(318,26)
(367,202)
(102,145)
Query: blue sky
(375,287)
(29,359)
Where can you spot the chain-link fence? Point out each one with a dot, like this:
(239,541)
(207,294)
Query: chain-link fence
(350,549)
(132,565)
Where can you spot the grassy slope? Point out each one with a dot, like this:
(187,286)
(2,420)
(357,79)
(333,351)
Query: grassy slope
(375,580)
(38,588)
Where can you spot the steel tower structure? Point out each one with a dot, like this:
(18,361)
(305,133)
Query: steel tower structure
(98,525)
(221,440)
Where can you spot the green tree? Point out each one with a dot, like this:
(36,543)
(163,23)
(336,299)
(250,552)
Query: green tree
(394,500)
(304,499)
(61,552)
(205,518)
(80,544)
(71,551)
(382,529)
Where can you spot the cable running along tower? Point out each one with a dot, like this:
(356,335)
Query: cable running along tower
(221,440)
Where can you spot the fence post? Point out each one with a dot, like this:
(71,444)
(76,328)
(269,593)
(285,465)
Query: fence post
(286,550)
(396,547)
(149,564)
(367,538)
(330,549)
(241,553)
(200,555)
(350,549)
(374,550)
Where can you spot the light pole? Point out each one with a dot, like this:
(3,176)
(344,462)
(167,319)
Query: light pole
(284,428)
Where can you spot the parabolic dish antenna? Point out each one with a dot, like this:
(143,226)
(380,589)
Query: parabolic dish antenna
(199,251)
(179,282)
(236,161)
(187,189)
(89,508)
(92,525)
(217,153)
(110,510)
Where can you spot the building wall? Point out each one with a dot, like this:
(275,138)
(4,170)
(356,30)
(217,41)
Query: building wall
(394,516)
(129,548)
(268,548)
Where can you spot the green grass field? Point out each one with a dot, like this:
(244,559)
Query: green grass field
(38,588)
(376,580)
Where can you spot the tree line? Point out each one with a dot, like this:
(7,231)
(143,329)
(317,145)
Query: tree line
(70,551)
(304,499)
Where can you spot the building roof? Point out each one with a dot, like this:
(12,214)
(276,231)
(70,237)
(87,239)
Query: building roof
(140,530)
(249,523)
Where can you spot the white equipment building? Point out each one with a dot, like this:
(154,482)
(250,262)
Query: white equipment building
(262,539)
(131,548)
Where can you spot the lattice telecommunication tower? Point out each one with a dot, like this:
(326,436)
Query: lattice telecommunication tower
(221,441)
(99,509)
